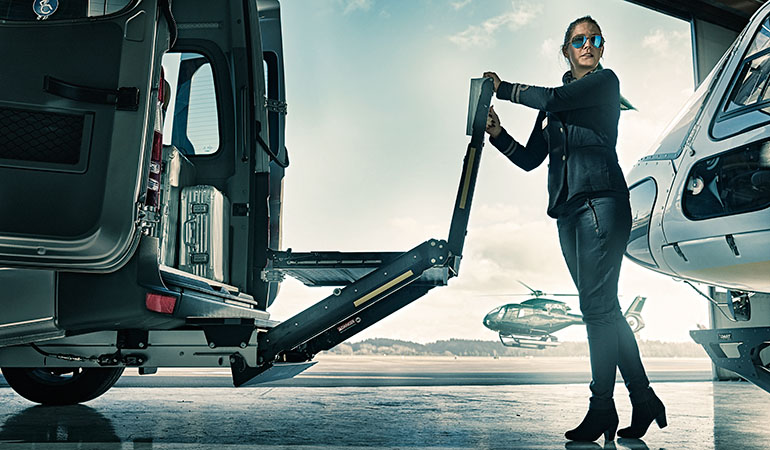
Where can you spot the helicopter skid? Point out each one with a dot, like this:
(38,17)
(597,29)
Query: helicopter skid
(534,342)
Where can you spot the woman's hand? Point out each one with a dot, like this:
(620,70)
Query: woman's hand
(495,79)
(493,123)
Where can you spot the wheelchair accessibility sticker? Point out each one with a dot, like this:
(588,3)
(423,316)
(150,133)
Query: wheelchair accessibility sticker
(45,8)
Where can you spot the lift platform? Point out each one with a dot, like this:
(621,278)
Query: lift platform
(370,285)
(739,350)
(215,325)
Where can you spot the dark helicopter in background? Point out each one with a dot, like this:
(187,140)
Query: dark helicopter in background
(531,323)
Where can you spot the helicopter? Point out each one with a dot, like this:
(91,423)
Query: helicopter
(531,323)
(700,201)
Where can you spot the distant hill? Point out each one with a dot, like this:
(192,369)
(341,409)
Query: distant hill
(466,347)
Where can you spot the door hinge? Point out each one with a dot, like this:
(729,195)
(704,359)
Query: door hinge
(277,106)
(690,138)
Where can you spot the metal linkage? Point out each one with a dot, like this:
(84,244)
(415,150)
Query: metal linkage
(751,342)
(349,327)
(344,313)
(345,303)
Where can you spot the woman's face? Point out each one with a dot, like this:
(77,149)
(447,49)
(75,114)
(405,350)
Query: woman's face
(585,58)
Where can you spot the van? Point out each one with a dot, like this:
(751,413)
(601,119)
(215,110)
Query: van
(142,159)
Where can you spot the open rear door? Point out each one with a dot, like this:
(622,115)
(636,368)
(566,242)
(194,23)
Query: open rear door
(77,110)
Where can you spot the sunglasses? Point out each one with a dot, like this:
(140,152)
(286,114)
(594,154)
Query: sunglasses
(580,40)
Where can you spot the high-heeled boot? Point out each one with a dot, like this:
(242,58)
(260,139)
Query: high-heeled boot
(596,422)
(642,416)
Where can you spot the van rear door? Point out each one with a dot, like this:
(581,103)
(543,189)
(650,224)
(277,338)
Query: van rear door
(77,109)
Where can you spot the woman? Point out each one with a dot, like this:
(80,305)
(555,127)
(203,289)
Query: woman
(577,129)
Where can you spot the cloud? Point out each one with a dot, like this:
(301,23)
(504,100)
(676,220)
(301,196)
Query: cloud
(550,47)
(504,245)
(458,5)
(662,42)
(483,35)
(353,5)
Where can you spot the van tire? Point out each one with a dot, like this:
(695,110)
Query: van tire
(61,386)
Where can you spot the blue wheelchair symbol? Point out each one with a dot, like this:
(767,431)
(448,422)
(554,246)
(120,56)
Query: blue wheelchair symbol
(44,8)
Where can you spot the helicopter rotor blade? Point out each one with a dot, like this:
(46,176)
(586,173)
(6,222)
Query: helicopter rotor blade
(534,292)
(538,295)
(504,295)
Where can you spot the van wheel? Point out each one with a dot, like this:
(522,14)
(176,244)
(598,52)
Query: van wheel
(61,386)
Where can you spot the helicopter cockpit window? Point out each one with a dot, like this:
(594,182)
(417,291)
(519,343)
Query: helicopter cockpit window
(734,182)
(747,104)
(510,313)
(642,201)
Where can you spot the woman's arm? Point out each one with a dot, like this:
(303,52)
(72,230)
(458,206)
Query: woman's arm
(527,157)
(599,88)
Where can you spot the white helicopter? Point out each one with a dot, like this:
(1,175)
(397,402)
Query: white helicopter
(701,201)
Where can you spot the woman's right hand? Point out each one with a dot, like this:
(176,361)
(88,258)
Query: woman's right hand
(493,123)
(495,79)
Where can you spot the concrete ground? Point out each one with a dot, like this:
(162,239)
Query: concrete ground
(701,414)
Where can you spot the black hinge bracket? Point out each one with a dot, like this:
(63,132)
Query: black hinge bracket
(229,335)
(276,106)
(132,339)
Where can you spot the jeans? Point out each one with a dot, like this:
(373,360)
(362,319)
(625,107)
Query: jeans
(593,236)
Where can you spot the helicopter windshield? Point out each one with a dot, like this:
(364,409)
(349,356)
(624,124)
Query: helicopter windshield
(510,313)
(525,312)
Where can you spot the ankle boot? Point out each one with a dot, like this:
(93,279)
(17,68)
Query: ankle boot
(642,416)
(596,422)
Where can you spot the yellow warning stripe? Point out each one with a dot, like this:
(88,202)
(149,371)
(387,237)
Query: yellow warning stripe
(467,183)
(383,288)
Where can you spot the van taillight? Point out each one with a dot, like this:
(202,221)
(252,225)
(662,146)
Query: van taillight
(159,303)
(153,184)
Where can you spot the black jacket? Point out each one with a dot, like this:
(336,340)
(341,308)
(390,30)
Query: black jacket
(577,128)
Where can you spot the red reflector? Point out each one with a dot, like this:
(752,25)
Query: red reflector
(163,304)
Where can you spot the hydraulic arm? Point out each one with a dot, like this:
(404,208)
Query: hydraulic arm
(374,284)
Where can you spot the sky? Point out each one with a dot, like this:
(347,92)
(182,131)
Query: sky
(377,96)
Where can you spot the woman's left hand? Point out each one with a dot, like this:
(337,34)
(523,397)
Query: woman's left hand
(493,123)
(495,79)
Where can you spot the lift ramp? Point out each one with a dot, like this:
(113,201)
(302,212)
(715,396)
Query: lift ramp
(371,285)
(739,350)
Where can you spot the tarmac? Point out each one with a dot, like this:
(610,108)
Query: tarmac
(390,402)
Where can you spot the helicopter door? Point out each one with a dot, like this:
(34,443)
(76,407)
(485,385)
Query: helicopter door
(77,111)
(716,225)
